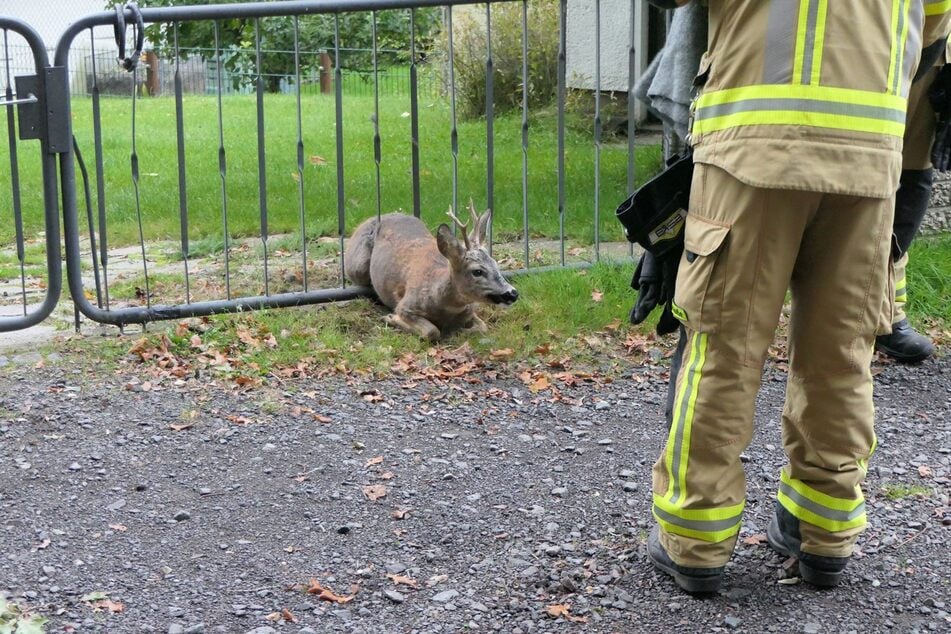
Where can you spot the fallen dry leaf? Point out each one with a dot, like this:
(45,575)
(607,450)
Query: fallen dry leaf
(326,594)
(557,610)
(181,426)
(540,383)
(320,418)
(118,527)
(373,461)
(239,420)
(596,296)
(287,616)
(400,513)
(374,492)
(502,355)
(924,471)
(403,580)
(755,540)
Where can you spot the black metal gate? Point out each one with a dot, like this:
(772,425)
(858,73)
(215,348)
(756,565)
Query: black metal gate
(33,113)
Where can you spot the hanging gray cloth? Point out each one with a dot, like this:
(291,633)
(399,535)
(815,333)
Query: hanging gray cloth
(666,87)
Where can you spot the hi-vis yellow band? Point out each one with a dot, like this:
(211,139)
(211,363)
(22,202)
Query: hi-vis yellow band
(817,106)
(828,513)
(937,7)
(710,525)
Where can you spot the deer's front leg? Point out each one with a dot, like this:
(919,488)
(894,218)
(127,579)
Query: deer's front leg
(414,324)
(475,324)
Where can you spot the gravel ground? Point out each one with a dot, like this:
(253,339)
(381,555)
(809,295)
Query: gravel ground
(498,504)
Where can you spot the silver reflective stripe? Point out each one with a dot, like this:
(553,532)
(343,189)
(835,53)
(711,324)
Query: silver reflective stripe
(680,421)
(780,46)
(899,51)
(706,526)
(811,19)
(800,105)
(818,509)
(916,19)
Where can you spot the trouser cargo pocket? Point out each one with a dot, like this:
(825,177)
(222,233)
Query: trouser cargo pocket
(698,295)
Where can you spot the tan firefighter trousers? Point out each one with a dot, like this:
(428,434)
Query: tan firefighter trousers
(744,247)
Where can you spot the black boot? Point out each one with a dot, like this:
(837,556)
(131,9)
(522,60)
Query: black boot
(905,344)
(783,536)
(693,580)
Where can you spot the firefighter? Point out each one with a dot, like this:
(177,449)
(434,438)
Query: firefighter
(904,343)
(797,139)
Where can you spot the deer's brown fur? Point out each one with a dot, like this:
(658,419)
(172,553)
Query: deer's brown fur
(431,283)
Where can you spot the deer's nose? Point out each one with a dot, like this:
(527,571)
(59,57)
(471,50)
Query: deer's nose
(510,296)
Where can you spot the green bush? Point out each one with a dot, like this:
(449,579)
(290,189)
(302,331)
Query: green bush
(469,47)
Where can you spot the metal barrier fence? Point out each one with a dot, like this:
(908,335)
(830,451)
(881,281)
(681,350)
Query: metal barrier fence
(239,202)
(37,291)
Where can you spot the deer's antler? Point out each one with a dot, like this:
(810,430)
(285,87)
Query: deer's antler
(463,227)
(474,216)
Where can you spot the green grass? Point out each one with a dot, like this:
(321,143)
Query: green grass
(589,330)
(156,148)
(898,491)
(929,280)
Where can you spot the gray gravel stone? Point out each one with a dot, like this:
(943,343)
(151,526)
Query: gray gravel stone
(445,596)
(395,596)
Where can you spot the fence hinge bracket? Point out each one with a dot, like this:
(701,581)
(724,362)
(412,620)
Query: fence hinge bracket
(49,114)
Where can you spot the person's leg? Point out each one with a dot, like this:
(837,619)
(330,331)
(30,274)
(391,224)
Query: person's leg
(740,249)
(828,419)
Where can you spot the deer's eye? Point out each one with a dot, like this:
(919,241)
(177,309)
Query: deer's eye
(477,272)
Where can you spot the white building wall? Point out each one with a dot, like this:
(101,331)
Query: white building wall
(616,19)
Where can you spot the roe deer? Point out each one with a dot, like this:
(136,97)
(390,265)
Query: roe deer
(431,284)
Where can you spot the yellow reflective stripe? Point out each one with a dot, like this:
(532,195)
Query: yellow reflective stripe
(937,7)
(797,118)
(901,284)
(892,70)
(832,94)
(900,61)
(675,427)
(863,462)
(691,408)
(829,502)
(826,524)
(802,32)
(707,536)
(700,515)
(818,42)
(819,106)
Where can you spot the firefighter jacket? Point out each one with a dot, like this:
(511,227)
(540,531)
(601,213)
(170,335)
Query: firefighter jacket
(788,78)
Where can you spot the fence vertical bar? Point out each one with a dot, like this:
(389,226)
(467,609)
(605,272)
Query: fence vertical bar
(100,172)
(338,113)
(525,130)
(414,112)
(489,119)
(454,132)
(300,154)
(376,112)
(92,228)
(222,167)
(134,165)
(562,80)
(180,138)
(262,161)
(15,176)
(631,109)
(597,130)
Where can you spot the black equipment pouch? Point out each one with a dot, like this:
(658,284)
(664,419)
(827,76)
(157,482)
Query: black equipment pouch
(654,215)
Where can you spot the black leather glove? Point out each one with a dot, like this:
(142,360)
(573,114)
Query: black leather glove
(654,280)
(940,97)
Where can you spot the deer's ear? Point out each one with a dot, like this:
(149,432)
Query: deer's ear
(448,245)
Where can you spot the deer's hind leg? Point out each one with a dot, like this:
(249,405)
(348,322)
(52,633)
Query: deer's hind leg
(413,323)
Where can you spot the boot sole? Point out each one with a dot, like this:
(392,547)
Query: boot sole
(820,578)
(693,585)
